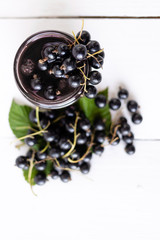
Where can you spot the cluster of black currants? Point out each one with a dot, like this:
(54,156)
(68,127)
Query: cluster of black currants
(66,139)
(122,127)
(70,62)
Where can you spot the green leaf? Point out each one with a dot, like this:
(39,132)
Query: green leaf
(19,117)
(48,168)
(34,172)
(92,111)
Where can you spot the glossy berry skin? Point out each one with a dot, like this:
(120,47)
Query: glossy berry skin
(69,64)
(54,152)
(63,163)
(123,93)
(114,141)
(81,139)
(65,176)
(69,126)
(130,149)
(49,53)
(22,162)
(99,125)
(74,81)
(58,72)
(42,65)
(91,91)
(137,118)
(100,136)
(30,141)
(29,153)
(41,155)
(54,174)
(98,149)
(93,46)
(79,52)
(95,77)
(64,144)
(70,111)
(75,155)
(96,63)
(100,101)
(102,54)
(73,166)
(84,124)
(128,138)
(84,168)
(122,120)
(49,136)
(51,114)
(63,50)
(132,106)
(84,38)
(40,178)
(32,116)
(114,104)
(40,166)
(125,129)
(50,93)
(44,123)
(88,157)
(36,84)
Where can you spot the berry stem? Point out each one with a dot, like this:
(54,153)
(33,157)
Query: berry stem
(30,171)
(85,79)
(37,116)
(59,118)
(26,127)
(45,148)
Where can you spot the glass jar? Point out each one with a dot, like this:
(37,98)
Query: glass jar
(30,51)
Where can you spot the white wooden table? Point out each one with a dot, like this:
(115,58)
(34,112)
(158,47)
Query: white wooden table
(120,198)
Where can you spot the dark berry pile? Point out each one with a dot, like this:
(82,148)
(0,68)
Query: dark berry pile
(70,63)
(122,128)
(67,142)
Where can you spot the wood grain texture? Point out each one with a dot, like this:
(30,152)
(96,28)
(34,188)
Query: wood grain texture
(132,60)
(23,8)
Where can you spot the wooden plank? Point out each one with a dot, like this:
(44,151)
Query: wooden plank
(119,199)
(132,60)
(79,8)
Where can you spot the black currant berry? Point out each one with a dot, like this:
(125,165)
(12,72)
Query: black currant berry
(64,144)
(54,174)
(91,91)
(58,72)
(29,153)
(137,118)
(50,135)
(84,38)
(70,111)
(84,124)
(100,101)
(54,152)
(75,155)
(114,141)
(99,125)
(22,162)
(95,77)
(88,157)
(69,64)
(81,139)
(74,81)
(41,155)
(96,63)
(123,93)
(51,114)
(63,50)
(130,149)
(79,52)
(49,53)
(40,178)
(98,149)
(100,136)
(36,83)
(132,106)
(50,93)
(128,138)
(42,65)
(44,123)
(125,129)
(114,104)
(102,54)
(93,46)
(84,168)
(30,141)
(41,166)
(122,120)
(32,116)
(69,126)
(73,166)
(65,176)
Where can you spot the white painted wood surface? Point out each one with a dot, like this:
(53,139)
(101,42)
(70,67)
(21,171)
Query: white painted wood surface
(23,8)
(120,198)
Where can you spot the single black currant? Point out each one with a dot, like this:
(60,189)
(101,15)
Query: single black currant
(69,64)
(81,139)
(64,143)
(130,149)
(40,178)
(132,106)
(32,116)
(100,136)
(137,118)
(29,153)
(69,126)
(44,123)
(99,125)
(79,52)
(128,138)
(91,91)
(96,62)
(73,166)
(123,93)
(84,124)
(65,176)
(122,120)
(51,114)
(102,54)
(93,46)
(85,167)
(50,135)
(57,71)
(98,149)
(41,166)
(114,140)
(49,53)
(125,129)
(36,83)
(54,174)
(30,141)
(63,163)
(95,77)
(84,38)
(42,65)
(40,155)
(100,101)
(75,155)
(50,93)
(54,152)
(70,111)
(63,49)
(22,162)
(74,81)
(88,157)
(114,104)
